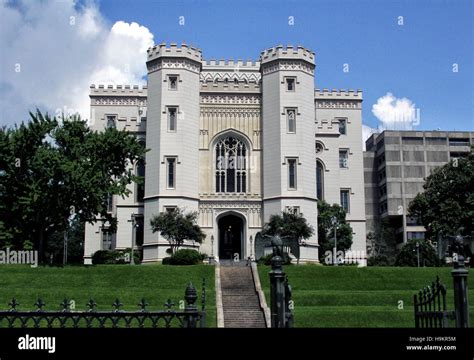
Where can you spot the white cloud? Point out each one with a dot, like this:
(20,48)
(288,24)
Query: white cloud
(61,48)
(395,114)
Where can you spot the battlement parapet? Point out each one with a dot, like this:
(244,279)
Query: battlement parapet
(338,94)
(231,64)
(288,52)
(118,90)
(174,51)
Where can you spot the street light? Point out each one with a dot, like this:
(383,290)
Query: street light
(418,253)
(334,223)
(251,247)
(133,220)
(212,246)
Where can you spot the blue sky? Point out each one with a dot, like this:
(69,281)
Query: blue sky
(413,61)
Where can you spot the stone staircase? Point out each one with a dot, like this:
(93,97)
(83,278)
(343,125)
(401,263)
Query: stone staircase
(239,299)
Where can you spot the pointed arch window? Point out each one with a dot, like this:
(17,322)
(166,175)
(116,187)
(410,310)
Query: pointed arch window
(231,166)
(319,180)
(140,171)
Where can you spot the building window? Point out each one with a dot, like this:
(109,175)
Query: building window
(459,142)
(170,209)
(111,121)
(140,171)
(173,82)
(345,200)
(295,210)
(342,126)
(292,174)
(106,239)
(319,180)
(415,235)
(139,230)
(319,147)
(343,157)
(290,84)
(172,118)
(170,172)
(291,120)
(231,166)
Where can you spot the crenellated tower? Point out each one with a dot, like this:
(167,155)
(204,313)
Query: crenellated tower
(288,136)
(172,164)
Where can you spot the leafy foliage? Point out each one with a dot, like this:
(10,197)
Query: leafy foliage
(75,244)
(379,260)
(110,257)
(382,246)
(184,257)
(326,229)
(54,169)
(447,204)
(289,225)
(408,254)
(177,226)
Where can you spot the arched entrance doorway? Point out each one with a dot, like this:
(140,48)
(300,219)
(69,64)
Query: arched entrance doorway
(231,235)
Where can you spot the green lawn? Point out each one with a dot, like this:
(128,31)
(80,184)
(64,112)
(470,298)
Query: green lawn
(104,283)
(348,296)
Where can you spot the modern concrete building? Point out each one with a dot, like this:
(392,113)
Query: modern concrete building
(235,141)
(396,164)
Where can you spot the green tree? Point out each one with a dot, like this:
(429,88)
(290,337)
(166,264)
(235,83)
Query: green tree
(290,225)
(75,244)
(51,170)
(177,226)
(382,245)
(408,255)
(447,202)
(326,229)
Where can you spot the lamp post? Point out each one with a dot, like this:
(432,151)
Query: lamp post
(334,223)
(418,253)
(212,246)
(251,247)
(133,220)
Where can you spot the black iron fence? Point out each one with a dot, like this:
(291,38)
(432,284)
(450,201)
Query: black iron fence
(188,317)
(430,303)
(430,307)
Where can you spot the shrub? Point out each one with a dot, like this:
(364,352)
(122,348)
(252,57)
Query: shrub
(184,257)
(166,261)
(408,254)
(380,260)
(115,257)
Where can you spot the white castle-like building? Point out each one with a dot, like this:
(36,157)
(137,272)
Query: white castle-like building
(235,141)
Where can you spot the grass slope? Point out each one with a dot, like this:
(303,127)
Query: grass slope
(104,283)
(348,296)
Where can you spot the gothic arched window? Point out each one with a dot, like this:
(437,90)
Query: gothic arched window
(140,171)
(231,166)
(319,180)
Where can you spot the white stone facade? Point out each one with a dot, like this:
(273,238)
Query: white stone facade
(236,142)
